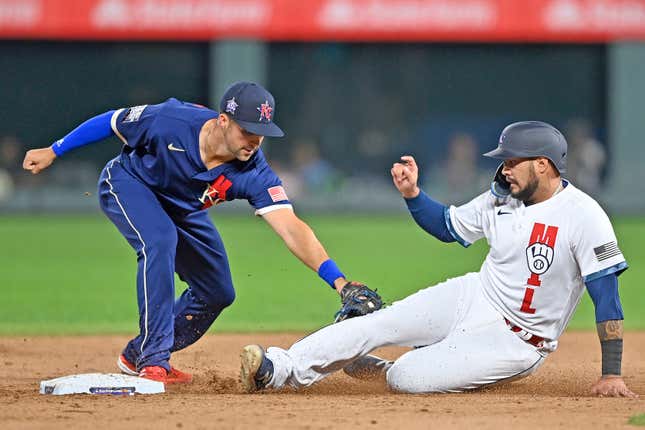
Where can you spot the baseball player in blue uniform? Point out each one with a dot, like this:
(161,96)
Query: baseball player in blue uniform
(179,159)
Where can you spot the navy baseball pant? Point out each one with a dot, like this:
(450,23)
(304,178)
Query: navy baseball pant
(166,243)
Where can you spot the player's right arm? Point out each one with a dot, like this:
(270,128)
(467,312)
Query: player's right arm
(429,214)
(130,125)
(92,130)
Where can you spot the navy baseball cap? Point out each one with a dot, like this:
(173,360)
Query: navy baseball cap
(252,107)
(532,139)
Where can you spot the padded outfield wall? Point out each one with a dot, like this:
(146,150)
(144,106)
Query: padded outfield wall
(357,82)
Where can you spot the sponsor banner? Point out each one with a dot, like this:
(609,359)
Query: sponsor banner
(310,20)
(17,14)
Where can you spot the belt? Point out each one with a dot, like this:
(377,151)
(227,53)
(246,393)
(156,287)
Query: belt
(534,340)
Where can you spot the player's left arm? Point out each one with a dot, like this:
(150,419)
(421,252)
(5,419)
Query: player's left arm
(609,324)
(357,299)
(303,243)
(266,194)
(600,261)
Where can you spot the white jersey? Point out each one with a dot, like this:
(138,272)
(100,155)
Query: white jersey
(540,255)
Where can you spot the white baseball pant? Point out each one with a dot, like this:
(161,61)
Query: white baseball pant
(462,343)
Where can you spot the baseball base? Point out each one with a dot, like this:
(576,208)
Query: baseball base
(101,383)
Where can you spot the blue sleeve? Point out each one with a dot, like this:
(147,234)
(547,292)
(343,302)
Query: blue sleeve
(430,215)
(92,130)
(135,125)
(264,189)
(604,294)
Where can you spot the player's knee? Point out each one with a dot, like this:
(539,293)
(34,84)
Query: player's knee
(227,297)
(405,379)
(399,379)
(220,298)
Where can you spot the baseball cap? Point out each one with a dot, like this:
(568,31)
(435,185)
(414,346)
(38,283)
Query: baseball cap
(532,139)
(252,107)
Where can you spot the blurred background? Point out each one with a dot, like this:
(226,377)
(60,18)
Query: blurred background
(357,82)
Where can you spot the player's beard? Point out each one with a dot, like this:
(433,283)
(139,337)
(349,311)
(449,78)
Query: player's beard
(525,194)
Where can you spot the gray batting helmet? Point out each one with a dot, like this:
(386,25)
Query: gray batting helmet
(532,139)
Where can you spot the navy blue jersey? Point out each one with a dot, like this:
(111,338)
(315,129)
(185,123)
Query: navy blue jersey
(162,150)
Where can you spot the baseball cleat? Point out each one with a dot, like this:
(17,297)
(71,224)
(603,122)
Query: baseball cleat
(368,367)
(126,367)
(155,373)
(176,376)
(158,373)
(256,369)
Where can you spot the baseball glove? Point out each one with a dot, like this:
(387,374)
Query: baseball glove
(357,300)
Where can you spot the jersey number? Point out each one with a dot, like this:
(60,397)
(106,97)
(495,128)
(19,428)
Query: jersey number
(539,256)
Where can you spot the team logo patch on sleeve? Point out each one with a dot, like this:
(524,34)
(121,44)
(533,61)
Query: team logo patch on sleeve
(134,113)
(608,250)
(277,194)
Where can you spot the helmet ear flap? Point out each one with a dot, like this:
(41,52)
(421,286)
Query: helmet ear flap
(500,187)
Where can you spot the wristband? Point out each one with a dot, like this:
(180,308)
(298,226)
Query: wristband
(612,355)
(329,272)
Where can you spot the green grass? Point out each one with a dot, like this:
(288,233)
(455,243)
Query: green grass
(76,274)
(637,420)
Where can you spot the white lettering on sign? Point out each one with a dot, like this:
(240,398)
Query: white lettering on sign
(598,15)
(394,15)
(177,14)
(20,13)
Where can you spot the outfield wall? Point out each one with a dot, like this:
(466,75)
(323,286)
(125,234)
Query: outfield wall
(349,110)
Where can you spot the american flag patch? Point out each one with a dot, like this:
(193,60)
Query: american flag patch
(606,251)
(277,194)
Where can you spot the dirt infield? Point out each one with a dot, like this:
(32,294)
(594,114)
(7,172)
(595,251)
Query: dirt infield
(554,398)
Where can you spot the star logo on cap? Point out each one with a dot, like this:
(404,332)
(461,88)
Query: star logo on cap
(265,111)
(231,106)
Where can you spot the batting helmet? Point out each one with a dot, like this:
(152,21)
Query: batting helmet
(532,139)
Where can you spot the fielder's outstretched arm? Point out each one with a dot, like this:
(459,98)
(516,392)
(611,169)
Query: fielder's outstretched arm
(357,299)
(304,244)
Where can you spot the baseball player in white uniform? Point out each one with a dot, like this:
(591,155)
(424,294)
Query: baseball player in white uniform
(548,240)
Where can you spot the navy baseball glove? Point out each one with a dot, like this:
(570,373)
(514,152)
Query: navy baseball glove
(357,300)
